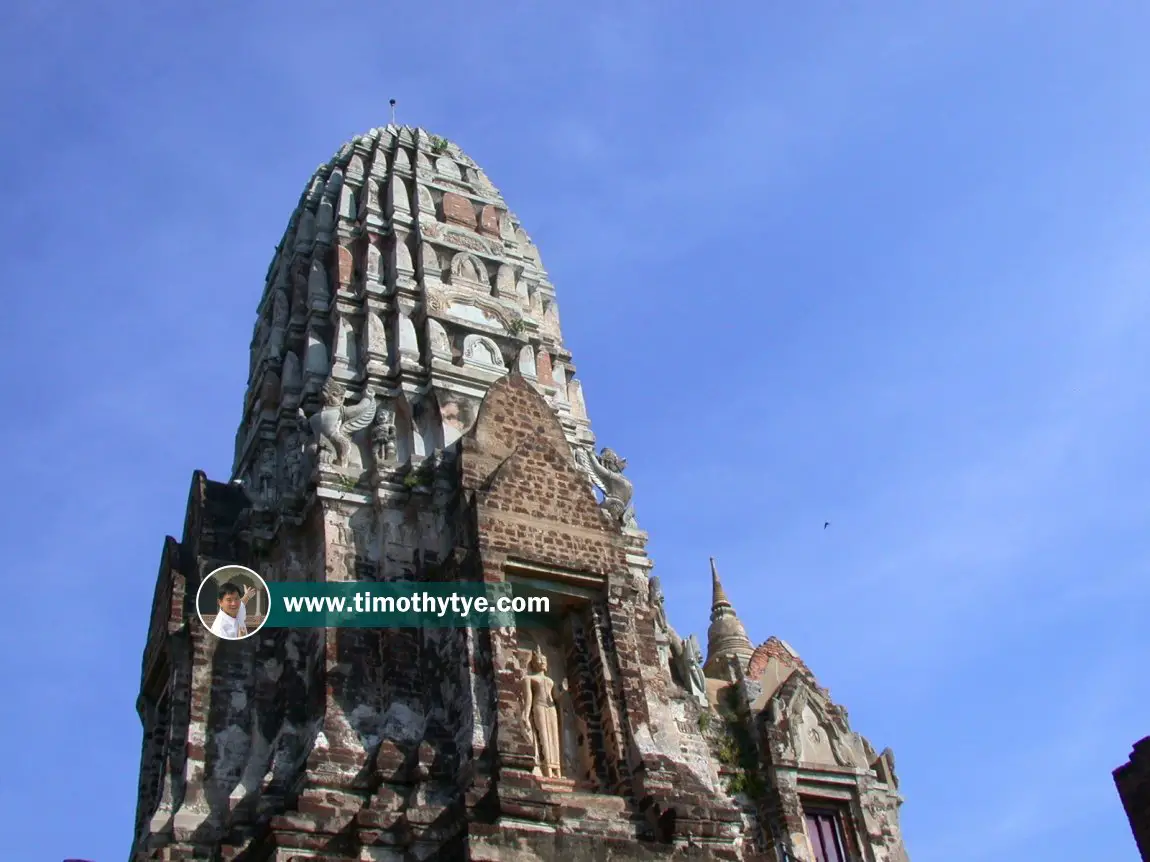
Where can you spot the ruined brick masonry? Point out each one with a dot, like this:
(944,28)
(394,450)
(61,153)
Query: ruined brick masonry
(413,413)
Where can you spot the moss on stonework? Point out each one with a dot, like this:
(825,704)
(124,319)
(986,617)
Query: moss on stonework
(735,749)
(348,483)
(746,783)
(417,477)
(705,720)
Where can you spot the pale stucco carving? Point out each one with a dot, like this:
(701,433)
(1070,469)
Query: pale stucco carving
(688,659)
(605,471)
(478,350)
(295,461)
(265,490)
(334,423)
(467,269)
(541,716)
(657,603)
(383,436)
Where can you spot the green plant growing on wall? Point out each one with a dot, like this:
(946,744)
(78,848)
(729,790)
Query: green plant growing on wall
(417,477)
(438,145)
(746,783)
(705,720)
(347,483)
(729,754)
(517,326)
(735,749)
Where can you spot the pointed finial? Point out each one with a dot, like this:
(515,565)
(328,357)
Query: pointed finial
(718,596)
(726,637)
(392,103)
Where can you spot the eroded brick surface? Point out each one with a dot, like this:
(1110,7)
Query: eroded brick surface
(446,438)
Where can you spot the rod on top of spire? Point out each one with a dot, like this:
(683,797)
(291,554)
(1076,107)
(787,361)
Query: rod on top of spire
(718,595)
(726,636)
(392,103)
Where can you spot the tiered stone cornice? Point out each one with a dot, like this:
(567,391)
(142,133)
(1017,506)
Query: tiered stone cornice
(401,271)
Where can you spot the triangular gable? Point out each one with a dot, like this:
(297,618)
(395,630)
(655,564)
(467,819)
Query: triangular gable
(519,464)
(808,728)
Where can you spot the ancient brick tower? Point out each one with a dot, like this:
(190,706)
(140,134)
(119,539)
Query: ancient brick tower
(408,317)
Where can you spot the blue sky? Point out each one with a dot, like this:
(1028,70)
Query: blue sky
(878,264)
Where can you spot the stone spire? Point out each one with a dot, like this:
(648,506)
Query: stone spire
(726,635)
(412,414)
(402,273)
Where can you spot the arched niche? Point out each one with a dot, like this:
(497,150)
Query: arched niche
(482,352)
(468,270)
(427,428)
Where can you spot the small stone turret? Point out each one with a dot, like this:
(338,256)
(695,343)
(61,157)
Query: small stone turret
(726,636)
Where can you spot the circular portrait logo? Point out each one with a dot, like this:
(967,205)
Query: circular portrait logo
(233,602)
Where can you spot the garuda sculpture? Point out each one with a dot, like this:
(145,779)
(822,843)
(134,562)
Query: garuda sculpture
(333,424)
(605,471)
(688,658)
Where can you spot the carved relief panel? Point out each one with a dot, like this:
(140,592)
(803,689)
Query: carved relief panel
(558,733)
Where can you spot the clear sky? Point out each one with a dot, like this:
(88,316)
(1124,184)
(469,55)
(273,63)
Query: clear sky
(878,264)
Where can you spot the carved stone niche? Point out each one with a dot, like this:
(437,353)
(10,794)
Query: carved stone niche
(570,648)
(481,351)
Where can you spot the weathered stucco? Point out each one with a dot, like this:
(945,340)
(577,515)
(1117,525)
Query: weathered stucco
(412,413)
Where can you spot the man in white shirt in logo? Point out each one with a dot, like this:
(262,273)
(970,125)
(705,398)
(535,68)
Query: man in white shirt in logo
(230,622)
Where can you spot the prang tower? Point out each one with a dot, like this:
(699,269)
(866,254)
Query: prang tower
(412,413)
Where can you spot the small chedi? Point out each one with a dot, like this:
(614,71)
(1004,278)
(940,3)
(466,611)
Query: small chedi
(412,413)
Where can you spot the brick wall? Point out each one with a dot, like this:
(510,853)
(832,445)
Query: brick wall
(348,742)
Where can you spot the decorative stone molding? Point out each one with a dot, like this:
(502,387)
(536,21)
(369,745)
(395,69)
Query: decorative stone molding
(366,450)
(482,351)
